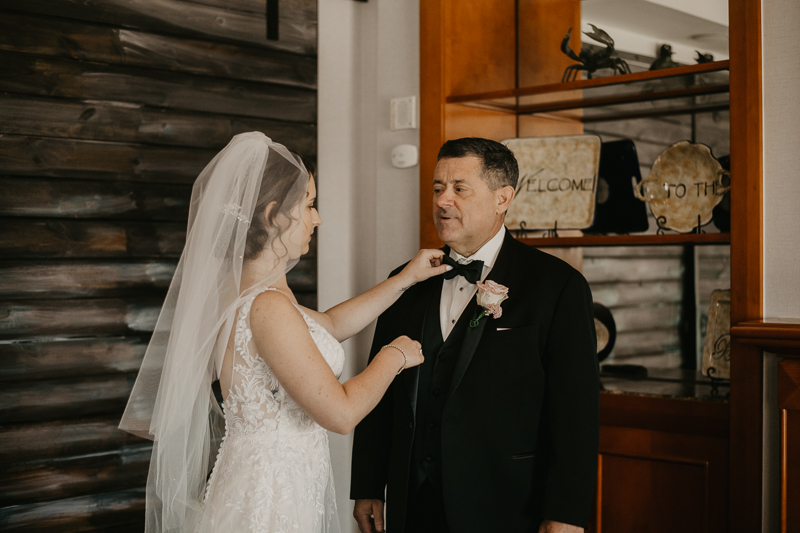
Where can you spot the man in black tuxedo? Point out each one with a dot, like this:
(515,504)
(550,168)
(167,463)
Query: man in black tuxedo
(497,431)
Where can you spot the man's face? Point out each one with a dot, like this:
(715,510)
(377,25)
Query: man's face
(466,212)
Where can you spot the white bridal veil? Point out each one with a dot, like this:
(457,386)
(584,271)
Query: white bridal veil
(172,402)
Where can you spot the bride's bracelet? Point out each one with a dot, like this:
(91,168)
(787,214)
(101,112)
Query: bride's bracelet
(405,359)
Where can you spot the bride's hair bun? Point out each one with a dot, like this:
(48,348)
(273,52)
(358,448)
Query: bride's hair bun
(281,184)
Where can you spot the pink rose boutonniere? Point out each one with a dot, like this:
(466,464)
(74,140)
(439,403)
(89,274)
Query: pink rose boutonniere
(490,296)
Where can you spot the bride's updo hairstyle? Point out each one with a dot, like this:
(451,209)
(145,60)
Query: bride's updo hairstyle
(283,190)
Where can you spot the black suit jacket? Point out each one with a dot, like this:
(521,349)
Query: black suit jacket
(520,426)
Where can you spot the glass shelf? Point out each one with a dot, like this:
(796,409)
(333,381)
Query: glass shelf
(667,383)
(679,90)
(623,240)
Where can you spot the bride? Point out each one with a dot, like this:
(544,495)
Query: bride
(230,316)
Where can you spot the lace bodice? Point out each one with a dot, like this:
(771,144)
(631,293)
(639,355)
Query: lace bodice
(272,472)
(256,402)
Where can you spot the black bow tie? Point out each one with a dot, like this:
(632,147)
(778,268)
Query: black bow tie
(471,271)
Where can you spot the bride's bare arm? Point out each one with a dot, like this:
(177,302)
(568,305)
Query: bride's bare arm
(351,316)
(283,340)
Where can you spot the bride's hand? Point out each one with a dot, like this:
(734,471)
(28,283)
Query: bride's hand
(412,350)
(426,264)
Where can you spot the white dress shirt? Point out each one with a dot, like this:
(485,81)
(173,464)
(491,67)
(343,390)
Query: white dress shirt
(457,292)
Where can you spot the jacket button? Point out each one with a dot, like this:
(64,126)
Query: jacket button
(411,425)
(436,391)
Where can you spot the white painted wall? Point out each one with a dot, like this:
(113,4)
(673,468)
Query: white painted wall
(781,75)
(642,26)
(368,54)
(781,91)
(713,10)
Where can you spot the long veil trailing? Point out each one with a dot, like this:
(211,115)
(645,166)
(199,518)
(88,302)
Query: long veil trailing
(172,402)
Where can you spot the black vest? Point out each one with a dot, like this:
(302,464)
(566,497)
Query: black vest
(434,382)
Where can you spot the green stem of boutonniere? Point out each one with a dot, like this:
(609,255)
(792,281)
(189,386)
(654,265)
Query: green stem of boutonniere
(474,322)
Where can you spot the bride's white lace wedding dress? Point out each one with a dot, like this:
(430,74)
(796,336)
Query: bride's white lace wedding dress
(273,472)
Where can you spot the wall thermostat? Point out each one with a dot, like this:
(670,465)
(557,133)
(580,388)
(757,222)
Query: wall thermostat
(405,156)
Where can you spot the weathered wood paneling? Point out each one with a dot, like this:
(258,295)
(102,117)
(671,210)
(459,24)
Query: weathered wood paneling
(48,440)
(646,319)
(291,9)
(48,318)
(45,400)
(82,279)
(22,196)
(621,269)
(615,294)
(663,359)
(643,289)
(662,132)
(303,277)
(37,318)
(43,76)
(60,118)
(118,46)
(42,156)
(307,299)
(110,111)
(61,238)
(80,357)
(297,34)
(649,342)
(118,511)
(34,481)
(89,279)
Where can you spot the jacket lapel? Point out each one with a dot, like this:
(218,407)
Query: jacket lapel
(427,302)
(473,335)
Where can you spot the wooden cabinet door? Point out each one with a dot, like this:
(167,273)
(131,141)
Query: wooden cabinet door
(789,404)
(663,466)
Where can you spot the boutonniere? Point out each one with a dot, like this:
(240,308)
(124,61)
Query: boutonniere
(490,296)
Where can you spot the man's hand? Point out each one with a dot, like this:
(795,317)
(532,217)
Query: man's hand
(548,526)
(369,515)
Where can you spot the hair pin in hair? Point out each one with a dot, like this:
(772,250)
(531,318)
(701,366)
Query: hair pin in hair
(235,210)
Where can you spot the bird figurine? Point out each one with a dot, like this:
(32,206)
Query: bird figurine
(703,58)
(664,59)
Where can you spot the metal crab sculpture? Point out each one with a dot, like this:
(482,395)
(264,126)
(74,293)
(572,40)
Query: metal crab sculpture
(592,60)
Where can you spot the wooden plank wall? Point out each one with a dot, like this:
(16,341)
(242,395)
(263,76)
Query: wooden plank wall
(109,111)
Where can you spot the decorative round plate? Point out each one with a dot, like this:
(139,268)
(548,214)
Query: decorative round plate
(606,330)
(684,185)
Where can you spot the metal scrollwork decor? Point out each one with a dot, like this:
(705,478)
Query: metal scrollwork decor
(722,348)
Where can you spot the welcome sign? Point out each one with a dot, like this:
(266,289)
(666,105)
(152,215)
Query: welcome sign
(557,182)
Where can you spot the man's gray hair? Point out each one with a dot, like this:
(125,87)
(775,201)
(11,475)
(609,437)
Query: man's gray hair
(499,165)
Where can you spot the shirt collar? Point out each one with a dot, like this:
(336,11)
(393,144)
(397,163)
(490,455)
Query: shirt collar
(487,253)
